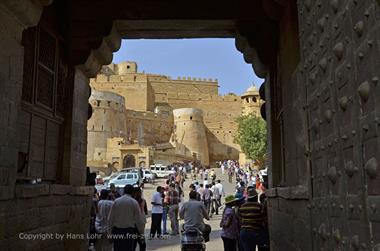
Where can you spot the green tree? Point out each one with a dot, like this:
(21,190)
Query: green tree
(252,137)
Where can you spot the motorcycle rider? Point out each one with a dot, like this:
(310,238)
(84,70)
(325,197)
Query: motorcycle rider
(193,212)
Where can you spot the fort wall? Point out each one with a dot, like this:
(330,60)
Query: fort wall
(149,128)
(134,88)
(163,84)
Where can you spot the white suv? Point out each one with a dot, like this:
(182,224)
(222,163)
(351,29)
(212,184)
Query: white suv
(126,178)
(161,171)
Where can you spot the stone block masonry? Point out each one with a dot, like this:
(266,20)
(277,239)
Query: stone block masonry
(46,217)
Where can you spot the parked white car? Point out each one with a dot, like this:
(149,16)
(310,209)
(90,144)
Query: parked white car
(161,171)
(126,178)
(108,178)
(148,176)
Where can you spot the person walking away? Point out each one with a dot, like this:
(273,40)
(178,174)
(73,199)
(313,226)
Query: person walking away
(229,225)
(101,222)
(193,212)
(230,174)
(239,201)
(205,182)
(172,199)
(220,187)
(178,188)
(215,199)
(251,215)
(264,246)
(207,194)
(201,190)
(193,188)
(165,208)
(114,194)
(178,178)
(137,195)
(157,211)
(213,175)
(258,181)
(126,220)
(196,184)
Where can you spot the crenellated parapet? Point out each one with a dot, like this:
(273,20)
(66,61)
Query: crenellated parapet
(195,97)
(196,79)
(122,79)
(147,115)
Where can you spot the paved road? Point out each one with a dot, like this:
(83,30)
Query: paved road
(173,242)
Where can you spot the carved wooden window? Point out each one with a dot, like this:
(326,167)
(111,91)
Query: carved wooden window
(45,79)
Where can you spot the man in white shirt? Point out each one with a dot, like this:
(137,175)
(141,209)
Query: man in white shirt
(157,211)
(215,199)
(125,216)
(205,182)
(201,190)
(101,221)
(220,187)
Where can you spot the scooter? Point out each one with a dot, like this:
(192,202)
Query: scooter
(192,240)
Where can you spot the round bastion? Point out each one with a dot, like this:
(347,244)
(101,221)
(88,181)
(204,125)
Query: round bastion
(190,131)
(184,114)
(107,121)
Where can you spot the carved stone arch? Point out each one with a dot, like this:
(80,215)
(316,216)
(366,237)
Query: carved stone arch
(250,56)
(27,12)
(102,55)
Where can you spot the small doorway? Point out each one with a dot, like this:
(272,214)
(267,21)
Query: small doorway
(129,161)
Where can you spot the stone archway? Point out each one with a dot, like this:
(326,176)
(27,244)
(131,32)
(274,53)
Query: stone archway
(129,161)
(90,44)
(329,155)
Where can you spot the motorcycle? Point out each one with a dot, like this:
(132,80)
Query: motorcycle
(192,240)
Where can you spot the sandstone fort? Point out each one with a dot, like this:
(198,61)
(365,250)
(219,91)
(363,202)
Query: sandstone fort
(156,119)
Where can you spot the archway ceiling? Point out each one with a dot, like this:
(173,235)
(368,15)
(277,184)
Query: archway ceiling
(95,27)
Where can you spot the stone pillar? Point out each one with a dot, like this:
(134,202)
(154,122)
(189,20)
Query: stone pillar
(74,167)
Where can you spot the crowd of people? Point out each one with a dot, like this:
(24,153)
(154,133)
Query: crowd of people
(244,220)
(243,223)
(120,220)
(247,174)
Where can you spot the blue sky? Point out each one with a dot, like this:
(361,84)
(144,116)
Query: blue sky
(204,58)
